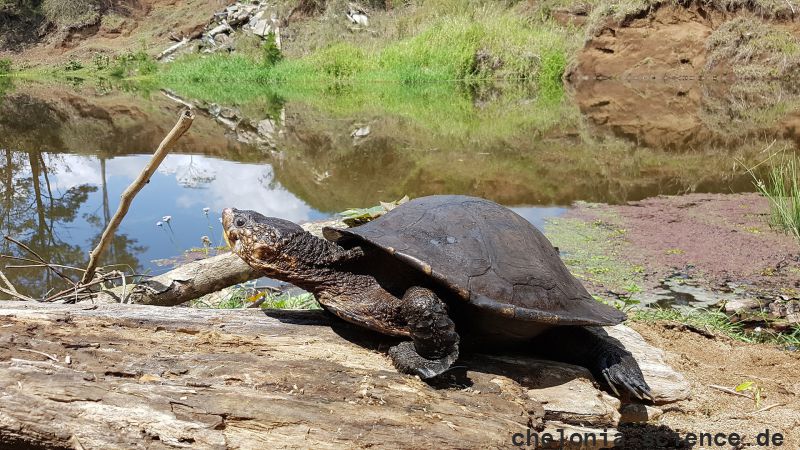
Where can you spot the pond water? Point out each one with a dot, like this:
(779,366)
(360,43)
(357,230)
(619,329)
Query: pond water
(67,153)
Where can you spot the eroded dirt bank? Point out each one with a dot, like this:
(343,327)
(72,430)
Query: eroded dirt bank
(695,39)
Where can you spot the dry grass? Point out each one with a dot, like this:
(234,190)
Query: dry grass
(71,13)
(753,49)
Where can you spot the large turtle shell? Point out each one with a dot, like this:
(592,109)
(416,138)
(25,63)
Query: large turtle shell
(486,254)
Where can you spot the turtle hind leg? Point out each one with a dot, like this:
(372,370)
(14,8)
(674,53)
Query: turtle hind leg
(434,346)
(608,361)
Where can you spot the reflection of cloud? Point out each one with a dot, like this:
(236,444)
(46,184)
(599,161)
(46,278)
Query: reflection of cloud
(225,183)
(69,171)
(242,187)
(537,215)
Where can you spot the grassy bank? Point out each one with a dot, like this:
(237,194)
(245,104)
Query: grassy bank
(468,44)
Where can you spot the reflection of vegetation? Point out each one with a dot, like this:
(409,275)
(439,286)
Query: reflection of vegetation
(739,109)
(37,215)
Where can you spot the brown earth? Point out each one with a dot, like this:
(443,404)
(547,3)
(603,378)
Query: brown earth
(129,25)
(724,362)
(667,42)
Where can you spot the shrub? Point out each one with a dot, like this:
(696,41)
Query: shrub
(271,54)
(5,66)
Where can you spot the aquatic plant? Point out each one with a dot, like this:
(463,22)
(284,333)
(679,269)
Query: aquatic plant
(781,187)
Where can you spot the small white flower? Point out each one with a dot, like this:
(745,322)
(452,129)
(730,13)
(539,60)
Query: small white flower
(159,224)
(166,218)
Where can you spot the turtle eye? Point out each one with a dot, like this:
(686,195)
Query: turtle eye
(240,222)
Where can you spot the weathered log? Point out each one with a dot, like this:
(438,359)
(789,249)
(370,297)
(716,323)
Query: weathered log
(184,283)
(133,376)
(192,280)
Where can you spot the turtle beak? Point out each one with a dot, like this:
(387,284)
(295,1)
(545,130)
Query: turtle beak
(227,221)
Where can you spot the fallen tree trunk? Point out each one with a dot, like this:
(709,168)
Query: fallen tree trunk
(192,280)
(132,376)
(186,282)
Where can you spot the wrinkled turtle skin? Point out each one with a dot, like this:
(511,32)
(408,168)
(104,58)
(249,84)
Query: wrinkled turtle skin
(444,271)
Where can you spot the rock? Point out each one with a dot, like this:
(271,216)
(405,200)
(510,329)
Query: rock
(221,28)
(788,309)
(262,28)
(357,15)
(737,304)
(266,127)
(361,132)
(637,413)
(666,384)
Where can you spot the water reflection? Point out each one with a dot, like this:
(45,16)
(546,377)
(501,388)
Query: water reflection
(67,155)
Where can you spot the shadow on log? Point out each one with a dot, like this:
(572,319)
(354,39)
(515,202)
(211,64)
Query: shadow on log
(132,376)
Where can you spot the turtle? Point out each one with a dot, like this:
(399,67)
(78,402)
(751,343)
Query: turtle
(439,271)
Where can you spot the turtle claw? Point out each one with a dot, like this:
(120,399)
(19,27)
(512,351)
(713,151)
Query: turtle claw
(625,375)
(407,360)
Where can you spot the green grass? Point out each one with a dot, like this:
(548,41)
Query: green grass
(716,322)
(781,187)
(243,295)
(455,47)
(595,252)
(5,66)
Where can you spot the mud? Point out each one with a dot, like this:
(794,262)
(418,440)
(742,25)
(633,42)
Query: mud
(723,238)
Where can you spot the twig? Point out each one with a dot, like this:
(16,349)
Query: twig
(39,353)
(39,265)
(729,391)
(84,288)
(184,122)
(42,260)
(767,408)
(12,291)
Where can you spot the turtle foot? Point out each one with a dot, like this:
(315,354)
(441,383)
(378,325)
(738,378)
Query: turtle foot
(407,360)
(622,374)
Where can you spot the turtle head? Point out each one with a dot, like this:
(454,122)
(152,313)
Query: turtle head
(256,238)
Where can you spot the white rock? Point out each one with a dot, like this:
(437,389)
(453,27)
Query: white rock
(262,28)
(361,132)
(266,127)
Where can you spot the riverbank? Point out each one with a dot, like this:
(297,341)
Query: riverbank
(715,252)
(417,42)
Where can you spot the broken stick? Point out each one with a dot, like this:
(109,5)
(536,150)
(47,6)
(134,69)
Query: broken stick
(185,121)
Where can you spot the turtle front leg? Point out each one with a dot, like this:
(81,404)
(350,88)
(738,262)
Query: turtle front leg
(591,347)
(434,346)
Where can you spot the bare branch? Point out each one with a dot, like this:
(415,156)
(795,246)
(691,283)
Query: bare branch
(184,122)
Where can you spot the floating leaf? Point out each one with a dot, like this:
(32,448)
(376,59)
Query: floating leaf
(358,216)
